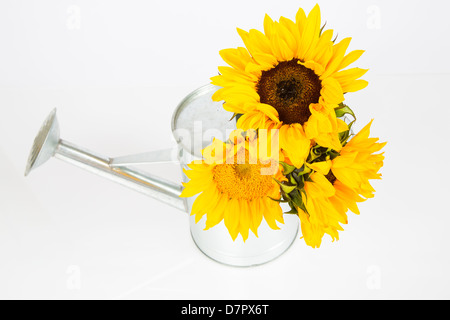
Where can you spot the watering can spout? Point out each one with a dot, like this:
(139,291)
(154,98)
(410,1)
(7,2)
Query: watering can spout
(48,144)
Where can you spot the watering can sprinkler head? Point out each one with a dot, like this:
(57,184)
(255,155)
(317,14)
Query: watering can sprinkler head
(45,143)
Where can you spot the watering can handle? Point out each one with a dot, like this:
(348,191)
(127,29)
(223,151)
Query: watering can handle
(167,189)
(157,156)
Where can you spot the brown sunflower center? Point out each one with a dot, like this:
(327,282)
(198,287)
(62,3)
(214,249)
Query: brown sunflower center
(242,181)
(290,88)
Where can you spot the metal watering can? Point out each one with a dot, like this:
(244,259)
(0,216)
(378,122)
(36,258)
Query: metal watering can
(197,116)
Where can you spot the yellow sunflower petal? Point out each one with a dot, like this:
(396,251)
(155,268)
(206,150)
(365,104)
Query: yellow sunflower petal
(268,214)
(316,67)
(237,58)
(332,92)
(324,48)
(311,233)
(216,215)
(293,29)
(265,61)
(268,26)
(295,143)
(326,187)
(288,38)
(300,20)
(244,220)
(280,48)
(236,75)
(310,34)
(323,167)
(191,190)
(260,41)
(232,215)
(347,78)
(338,55)
(256,216)
(350,58)
(269,111)
(355,86)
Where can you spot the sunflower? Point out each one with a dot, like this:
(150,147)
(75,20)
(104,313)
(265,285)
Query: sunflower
(358,163)
(334,186)
(292,78)
(320,217)
(234,185)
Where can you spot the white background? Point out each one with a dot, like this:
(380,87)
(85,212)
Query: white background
(116,71)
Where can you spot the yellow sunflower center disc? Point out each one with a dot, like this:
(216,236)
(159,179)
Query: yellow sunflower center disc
(242,181)
(290,88)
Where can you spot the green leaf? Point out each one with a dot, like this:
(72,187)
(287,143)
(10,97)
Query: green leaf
(236,115)
(292,179)
(286,196)
(306,170)
(343,136)
(287,168)
(301,185)
(297,198)
(333,155)
(279,200)
(293,211)
(343,110)
(288,189)
(351,124)
(285,187)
